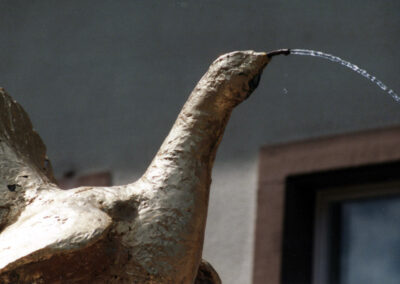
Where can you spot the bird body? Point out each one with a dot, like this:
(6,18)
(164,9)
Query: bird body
(150,231)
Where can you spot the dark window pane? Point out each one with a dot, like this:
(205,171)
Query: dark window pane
(370,241)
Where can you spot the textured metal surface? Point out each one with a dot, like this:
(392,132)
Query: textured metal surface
(150,231)
(23,163)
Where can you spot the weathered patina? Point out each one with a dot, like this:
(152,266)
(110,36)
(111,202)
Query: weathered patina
(150,231)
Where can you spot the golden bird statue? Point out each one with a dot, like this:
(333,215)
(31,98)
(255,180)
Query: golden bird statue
(149,231)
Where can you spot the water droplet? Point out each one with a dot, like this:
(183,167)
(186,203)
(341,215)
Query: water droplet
(352,66)
(285,91)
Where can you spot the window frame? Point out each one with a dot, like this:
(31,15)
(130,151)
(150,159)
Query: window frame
(325,265)
(279,163)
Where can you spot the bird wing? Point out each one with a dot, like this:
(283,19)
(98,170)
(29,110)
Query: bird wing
(24,166)
(37,219)
(17,133)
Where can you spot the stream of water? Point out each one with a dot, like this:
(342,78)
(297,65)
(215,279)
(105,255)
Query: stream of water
(352,66)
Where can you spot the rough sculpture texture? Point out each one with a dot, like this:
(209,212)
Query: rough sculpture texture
(150,231)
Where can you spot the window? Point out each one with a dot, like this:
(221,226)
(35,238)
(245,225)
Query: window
(338,226)
(71,180)
(321,206)
(357,235)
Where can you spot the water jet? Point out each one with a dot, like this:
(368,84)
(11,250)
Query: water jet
(333,58)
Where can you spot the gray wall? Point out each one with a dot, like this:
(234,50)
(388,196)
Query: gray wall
(104,80)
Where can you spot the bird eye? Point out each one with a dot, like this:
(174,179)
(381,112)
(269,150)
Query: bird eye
(254,82)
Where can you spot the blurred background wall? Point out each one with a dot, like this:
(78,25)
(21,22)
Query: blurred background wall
(103,82)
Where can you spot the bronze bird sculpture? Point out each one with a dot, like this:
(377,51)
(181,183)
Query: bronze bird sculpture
(149,231)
